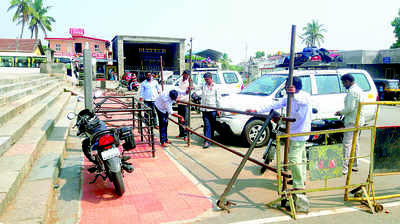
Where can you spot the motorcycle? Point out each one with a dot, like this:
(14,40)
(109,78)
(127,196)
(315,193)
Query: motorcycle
(100,146)
(314,140)
(197,100)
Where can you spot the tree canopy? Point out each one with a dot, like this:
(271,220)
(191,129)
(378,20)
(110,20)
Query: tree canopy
(32,13)
(312,35)
(260,54)
(39,19)
(396,31)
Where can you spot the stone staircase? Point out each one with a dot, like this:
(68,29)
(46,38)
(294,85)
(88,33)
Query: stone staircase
(33,130)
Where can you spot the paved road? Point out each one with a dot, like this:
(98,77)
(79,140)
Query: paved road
(211,169)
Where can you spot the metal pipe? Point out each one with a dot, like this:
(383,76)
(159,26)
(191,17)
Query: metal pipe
(289,103)
(230,150)
(235,111)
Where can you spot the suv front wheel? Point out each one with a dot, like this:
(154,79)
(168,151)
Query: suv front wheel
(251,130)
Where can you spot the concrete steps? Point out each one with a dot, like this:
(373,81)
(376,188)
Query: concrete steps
(33,129)
(36,193)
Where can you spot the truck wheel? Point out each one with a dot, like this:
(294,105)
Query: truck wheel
(251,130)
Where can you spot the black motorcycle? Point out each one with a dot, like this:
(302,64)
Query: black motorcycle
(101,148)
(314,140)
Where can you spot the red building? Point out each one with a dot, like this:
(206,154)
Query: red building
(73,47)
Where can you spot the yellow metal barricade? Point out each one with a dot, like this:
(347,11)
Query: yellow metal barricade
(286,194)
(371,182)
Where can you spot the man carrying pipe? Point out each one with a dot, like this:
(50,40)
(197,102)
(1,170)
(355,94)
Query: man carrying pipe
(301,111)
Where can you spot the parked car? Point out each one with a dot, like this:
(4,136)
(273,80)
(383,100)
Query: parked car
(228,82)
(325,87)
(388,89)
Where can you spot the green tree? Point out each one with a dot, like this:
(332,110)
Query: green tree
(396,25)
(312,35)
(225,60)
(22,12)
(260,54)
(39,19)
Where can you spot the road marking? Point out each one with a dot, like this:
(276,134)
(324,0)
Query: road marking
(311,214)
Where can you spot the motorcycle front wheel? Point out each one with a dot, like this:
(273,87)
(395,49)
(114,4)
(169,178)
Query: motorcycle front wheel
(86,150)
(118,183)
(268,157)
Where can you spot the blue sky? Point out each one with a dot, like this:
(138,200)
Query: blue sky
(224,25)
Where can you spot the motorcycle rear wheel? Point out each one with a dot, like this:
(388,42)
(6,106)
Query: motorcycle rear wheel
(118,183)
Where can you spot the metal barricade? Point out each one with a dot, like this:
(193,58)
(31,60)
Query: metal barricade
(127,111)
(375,170)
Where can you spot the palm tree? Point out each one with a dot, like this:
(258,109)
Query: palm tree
(39,19)
(312,35)
(225,60)
(22,12)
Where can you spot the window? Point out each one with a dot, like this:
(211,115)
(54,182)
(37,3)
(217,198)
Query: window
(328,84)
(58,47)
(96,48)
(264,86)
(21,61)
(230,77)
(6,61)
(360,80)
(78,48)
(306,84)
(36,61)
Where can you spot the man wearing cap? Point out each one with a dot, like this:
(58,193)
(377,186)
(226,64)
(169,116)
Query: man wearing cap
(210,97)
(163,105)
(149,91)
(182,108)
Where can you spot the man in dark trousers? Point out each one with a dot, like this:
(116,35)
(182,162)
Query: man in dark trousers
(182,108)
(149,91)
(210,97)
(163,107)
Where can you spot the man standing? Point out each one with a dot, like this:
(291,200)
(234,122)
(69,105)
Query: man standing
(149,91)
(301,111)
(163,107)
(182,108)
(353,97)
(210,97)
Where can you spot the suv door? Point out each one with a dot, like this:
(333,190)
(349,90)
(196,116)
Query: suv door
(328,97)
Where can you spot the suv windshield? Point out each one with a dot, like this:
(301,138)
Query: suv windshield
(265,85)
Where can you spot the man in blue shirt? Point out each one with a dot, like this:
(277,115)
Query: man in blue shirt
(301,111)
(163,107)
(149,91)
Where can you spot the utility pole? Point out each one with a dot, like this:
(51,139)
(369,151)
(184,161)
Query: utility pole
(87,61)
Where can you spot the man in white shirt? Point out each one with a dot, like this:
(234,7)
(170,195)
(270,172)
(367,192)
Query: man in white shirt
(301,111)
(163,107)
(210,97)
(353,97)
(182,108)
(149,91)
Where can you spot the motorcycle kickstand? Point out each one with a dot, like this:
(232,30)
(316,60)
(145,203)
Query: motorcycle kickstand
(98,175)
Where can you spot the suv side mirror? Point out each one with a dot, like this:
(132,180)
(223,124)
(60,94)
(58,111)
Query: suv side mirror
(281,93)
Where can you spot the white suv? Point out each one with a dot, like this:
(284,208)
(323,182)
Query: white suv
(228,82)
(325,87)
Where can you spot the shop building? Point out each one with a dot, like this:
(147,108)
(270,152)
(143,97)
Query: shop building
(142,54)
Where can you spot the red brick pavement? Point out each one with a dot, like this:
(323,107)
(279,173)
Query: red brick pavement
(156,192)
